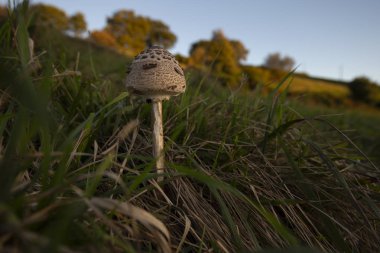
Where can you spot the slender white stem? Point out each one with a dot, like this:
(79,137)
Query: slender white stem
(158,137)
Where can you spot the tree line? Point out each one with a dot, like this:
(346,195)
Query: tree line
(129,33)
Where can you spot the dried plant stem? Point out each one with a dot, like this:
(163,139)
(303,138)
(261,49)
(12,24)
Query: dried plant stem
(158,137)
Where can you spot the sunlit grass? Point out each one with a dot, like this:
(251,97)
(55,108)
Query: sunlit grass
(310,86)
(298,85)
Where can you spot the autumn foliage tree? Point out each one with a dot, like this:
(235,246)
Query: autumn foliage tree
(220,54)
(3,12)
(77,24)
(239,50)
(48,16)
(133,32)
(103,38)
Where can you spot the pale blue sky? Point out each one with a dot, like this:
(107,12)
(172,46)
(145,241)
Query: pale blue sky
(328,38)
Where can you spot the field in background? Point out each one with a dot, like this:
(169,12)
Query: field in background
(302,85)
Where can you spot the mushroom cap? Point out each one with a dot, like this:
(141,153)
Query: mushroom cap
(155,74)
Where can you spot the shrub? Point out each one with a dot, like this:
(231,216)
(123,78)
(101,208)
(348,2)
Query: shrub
(360,88)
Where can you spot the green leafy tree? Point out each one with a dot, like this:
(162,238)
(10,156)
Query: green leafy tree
(133,32)
(48,16)
(221,55)
(77,24)
(278,62)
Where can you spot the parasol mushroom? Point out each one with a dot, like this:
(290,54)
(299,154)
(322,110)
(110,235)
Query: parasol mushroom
(156,75)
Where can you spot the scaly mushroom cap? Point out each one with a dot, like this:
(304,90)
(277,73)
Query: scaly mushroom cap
(155,74)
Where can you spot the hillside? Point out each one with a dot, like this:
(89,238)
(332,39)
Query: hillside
(69,50)
(244,172)
(309,96)
(113,64)
(324,89)
(317,86)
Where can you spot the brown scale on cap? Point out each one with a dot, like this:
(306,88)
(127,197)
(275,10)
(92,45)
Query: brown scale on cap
(178,71)
(149,65)
(155,74)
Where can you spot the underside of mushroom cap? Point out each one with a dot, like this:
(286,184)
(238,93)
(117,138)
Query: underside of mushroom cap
(155,74)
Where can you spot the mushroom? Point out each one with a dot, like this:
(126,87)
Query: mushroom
(156,75)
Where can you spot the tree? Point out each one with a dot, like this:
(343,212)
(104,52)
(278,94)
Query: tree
(133,32)
(361,88)
(77,24)
(160,34)
(277,62)
(226,57)
(221,55)
(240,51)
(104,38)
(49,16)
(3,12)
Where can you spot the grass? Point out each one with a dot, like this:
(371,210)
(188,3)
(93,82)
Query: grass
(93,60)
(244,173)
(360,124)
(319,87)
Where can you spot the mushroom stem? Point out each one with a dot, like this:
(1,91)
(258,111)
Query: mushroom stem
(158,137)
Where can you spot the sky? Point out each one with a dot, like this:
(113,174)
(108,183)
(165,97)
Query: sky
(338,39)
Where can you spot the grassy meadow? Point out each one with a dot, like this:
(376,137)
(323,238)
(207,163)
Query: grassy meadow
(245,172)
(302,85)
